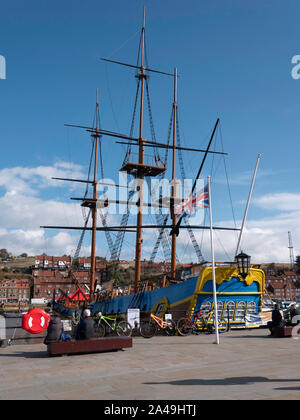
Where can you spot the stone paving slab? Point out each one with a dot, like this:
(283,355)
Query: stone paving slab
(247,364)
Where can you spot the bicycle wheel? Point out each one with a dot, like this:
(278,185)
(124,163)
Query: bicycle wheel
(147,329)
(170,328)
(123,329)
(223,325)
(184,326)
(100,330)
(202,326)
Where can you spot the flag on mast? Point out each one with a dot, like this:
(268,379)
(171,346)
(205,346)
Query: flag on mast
(188,207)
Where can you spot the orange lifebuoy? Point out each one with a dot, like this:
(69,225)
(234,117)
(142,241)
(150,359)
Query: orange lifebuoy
(35,321)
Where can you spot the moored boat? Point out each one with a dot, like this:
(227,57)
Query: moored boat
(238,296)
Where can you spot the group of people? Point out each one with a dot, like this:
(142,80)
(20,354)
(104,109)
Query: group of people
(84,330)
(278,319)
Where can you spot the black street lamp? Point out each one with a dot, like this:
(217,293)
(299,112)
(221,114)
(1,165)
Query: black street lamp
(243,263)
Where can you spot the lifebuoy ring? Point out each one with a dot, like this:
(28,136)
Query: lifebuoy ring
(35,321)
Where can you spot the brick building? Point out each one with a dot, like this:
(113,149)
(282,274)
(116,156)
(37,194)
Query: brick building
(52,274)
(84,264)
(283,287)
(148,267)
(45,282)
(14,290)
(52,263)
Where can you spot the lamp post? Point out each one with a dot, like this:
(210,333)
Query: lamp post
(243,264)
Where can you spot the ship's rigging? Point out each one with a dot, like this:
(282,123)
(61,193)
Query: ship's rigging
(139,170)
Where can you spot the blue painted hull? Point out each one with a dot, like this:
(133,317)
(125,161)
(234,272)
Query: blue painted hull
(175,294)
(237,298)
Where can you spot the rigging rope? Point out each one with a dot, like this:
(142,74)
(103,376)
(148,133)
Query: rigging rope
(85,216)
(120,237)
(183,176)
(161,219)
(228,184)
(117,248)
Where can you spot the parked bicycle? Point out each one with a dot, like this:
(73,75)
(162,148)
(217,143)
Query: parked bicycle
(149,328)
(105,325)
(200,322)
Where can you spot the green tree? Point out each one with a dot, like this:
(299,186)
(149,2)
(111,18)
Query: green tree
(3,253)
(115,274)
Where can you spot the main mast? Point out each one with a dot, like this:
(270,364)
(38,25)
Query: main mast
(94,207)
(140,175)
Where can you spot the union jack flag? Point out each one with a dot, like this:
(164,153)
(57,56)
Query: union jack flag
(188,207)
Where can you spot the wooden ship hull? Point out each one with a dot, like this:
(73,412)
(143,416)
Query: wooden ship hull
(175,299)
(239,299)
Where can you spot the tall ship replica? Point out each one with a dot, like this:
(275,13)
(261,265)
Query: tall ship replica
(239,287)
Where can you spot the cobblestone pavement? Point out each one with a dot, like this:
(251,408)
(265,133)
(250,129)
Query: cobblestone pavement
(247,364)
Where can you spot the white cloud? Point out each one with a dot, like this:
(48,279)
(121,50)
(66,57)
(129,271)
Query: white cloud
(265,239)
(35,242)
(28,212)
(29,180)
(23,211)
(279,201)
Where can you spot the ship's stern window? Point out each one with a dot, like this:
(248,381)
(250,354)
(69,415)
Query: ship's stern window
(240,311)
(205,307)
(230,310)
(251,308)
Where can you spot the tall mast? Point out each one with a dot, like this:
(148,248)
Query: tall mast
(94,208)
(140,176)
(174,192)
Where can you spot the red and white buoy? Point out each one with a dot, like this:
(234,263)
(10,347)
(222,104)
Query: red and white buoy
(35,321)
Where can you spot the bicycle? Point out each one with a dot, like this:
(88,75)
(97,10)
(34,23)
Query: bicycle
(186,326)
(200,322)
(149,328)
(106,324)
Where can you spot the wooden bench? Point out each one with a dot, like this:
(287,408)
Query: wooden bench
(94,345)
(285,331)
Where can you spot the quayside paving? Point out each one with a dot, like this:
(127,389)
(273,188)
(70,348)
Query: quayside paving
(247,364)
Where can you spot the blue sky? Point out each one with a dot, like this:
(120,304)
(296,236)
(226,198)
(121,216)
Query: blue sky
(234,62)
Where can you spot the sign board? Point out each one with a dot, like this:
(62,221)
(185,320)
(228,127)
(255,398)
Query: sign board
(67,324)
(133,317)
(38,301)
(253,320)
(265,317)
